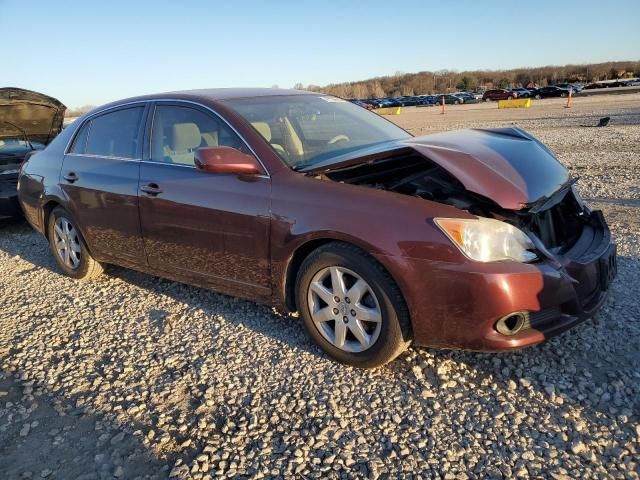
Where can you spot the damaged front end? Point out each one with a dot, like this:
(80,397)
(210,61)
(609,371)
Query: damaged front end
(504,176)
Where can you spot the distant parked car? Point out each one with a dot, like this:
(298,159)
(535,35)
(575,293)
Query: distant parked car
(408,101)
(360,103)
(549,92)
(522,92)
(632,83)
(449,99)
(427,100)
(570,86)
(466,97)
(499,94)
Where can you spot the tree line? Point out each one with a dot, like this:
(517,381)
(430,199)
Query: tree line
(443,81)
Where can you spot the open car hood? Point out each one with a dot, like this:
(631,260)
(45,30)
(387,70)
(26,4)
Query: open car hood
(506,165)
(40,116)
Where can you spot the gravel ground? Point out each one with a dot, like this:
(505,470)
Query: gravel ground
(132,376)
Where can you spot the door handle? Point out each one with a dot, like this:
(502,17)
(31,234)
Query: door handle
(151,189)
(70,177)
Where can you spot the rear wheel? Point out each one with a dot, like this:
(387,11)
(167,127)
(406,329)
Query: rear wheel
(351,307)
(69,248)
(538,96)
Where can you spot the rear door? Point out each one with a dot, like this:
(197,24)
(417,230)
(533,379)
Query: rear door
(211,228)
(100,179)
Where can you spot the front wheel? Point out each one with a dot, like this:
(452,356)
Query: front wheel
(538,97)
(351,307)
(69,248)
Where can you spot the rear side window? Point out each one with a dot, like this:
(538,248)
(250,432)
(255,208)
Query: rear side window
(80,142)
(114,134)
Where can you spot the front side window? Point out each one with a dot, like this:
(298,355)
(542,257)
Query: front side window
(115,134)
(179,131)
(306,130)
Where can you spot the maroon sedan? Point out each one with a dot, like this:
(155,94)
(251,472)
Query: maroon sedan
(474,239)
(499,94)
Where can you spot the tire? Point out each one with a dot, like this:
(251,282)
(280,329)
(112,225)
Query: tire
(538,97)
(456,102)
(386,338)
(563,95)
(487,99)
(510,97)
(78,262)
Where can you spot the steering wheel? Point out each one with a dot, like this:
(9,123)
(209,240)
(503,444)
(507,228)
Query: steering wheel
(339,138)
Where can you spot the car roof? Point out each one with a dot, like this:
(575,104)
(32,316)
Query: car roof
(211,95)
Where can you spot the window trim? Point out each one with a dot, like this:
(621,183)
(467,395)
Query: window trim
(105,111)
(191,104)
(150,105)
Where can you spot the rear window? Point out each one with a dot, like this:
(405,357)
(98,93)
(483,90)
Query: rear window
(114,134)
(80,142)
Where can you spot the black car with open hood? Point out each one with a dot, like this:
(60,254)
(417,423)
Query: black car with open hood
(28,122)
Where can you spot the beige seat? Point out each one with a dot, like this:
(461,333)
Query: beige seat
(264,129)
(183,140)
(291,140)
(210,139)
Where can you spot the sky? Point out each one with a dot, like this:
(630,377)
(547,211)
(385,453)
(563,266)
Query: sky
(92,52)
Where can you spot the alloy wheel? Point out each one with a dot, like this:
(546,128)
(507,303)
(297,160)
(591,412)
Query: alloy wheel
(67,242)
(344,309)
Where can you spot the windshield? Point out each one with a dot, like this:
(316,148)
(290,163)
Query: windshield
(305,130)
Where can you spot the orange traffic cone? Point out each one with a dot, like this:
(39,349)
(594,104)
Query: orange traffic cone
(444,107)
(568,105)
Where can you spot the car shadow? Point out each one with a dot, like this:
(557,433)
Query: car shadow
(69,441)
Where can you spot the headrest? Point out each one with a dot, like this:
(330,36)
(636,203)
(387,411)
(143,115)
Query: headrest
(263,129)
(185,136)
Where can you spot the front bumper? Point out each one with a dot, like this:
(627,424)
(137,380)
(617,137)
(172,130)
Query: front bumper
(9,205)
(458,305)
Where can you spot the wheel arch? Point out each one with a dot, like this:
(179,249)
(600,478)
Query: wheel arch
(48,207)
(302,251)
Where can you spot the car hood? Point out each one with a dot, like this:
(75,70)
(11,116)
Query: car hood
(38,115)
(506,165)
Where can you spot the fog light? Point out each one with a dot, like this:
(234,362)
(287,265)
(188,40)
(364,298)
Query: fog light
(512,323)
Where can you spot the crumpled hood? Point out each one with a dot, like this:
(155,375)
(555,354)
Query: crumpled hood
(506,165)
(40,116)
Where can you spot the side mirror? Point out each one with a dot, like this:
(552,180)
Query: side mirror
(226,160)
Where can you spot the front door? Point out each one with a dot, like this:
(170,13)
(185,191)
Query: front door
(211,228)
(100,178)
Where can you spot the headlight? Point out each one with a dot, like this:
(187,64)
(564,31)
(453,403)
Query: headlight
(488,240)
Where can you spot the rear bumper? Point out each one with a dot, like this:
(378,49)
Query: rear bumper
(458,305)
(9,205)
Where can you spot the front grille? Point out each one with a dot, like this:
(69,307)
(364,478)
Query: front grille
(541,317)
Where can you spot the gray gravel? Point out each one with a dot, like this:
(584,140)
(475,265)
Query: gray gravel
(132,376)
